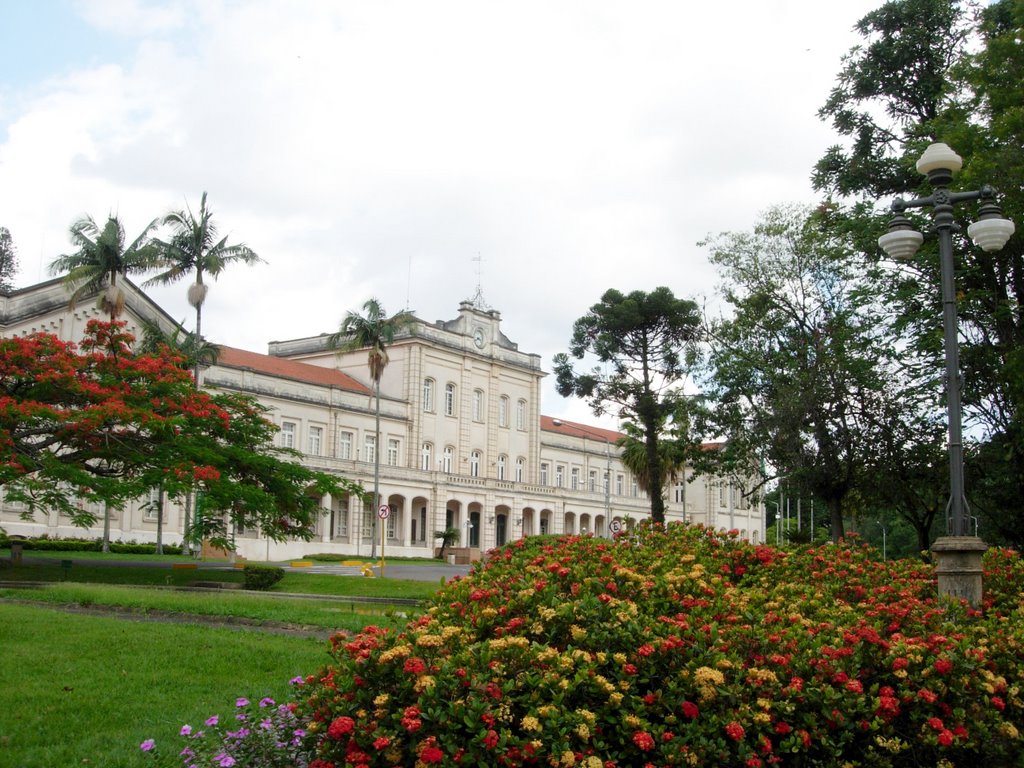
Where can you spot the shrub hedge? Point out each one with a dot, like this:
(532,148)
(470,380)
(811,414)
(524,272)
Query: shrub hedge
(88,545)
(261,577)
(682,647)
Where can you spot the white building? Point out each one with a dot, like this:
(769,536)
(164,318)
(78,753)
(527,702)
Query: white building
(463,442)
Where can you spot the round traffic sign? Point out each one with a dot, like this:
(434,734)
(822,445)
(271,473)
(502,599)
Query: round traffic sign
(615,526)
(383,511)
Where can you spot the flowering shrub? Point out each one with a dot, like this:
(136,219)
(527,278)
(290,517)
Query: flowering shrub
(684,647)
(261,734)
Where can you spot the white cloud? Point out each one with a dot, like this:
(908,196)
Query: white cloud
(376,148)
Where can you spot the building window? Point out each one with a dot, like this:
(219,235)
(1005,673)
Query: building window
(520,469)
(449,399)
(559,475)
(575,478)
(344,445)
(636,488)
(502,461)
(393,449)
(152,505)
(370,448)
(474,464)
(592,480)
(426,454)
(680,494)
(287,434)
(543,526)
(478,405)
(618,485)
(544,473)
(722,490)
(392,522)
(368,515)
(521,414)
(341,522)
(428,395)
(447,458)
(503,411)
(316,436)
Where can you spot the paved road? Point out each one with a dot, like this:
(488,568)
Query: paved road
(412,572)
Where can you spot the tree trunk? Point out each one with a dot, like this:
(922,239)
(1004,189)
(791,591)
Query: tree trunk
(106,527)
(186,548)
(160,520)
(835,507)
(376,477)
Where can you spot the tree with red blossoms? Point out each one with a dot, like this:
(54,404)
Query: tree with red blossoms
(102,424)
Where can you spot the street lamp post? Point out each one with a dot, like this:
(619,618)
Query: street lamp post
(607,470)
(958,553)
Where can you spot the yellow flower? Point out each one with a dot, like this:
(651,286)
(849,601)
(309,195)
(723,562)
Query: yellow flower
(632,721)
(423,682)
(583,731)
(429,641)
(620,658)
(1009,730)
(615,699)
(568,758)
(593,762)
(381,699)
(587,715)
(530,723)
(398,652)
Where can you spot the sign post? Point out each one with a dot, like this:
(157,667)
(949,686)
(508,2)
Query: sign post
(383,511)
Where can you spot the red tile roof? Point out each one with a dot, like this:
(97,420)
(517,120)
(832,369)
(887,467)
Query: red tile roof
(572,429)
(230,357)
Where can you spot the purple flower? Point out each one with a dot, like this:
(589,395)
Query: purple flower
(186,752)
(299,733)
(241,717)
(225,760)
(266,701)
(213,720)
(267,724)
(147,745)
(242,702)
(186,730)
(297,680)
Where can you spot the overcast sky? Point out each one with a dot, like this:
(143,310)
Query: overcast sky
(411,149)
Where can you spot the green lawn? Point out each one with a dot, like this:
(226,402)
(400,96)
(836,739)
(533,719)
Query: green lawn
(80,690)
(306,583)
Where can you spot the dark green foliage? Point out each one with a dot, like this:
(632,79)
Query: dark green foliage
(261,577)
(648,343)
(44,544)
(934,70)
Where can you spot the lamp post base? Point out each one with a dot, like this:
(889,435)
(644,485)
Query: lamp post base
(959,567)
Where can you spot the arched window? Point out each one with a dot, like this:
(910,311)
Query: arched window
(521,414)
(474,464)
(426,457)
(447,458)
(502,461)
(449,399)
(520,469)
(428,395)
(478,405)
(503,411)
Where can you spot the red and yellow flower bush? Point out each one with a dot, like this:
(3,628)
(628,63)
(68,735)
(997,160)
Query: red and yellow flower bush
(682,647)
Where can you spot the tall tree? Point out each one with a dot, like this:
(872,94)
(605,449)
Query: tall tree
(933,70)
(194,248)
(373,331)
(649,342)
(106,425)
(8,260)
(101,256)
(798,371)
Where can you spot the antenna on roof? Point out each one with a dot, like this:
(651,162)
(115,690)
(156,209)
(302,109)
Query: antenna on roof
(478,298)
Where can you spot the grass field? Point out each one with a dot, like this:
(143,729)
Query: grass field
(80,690)
(306,583)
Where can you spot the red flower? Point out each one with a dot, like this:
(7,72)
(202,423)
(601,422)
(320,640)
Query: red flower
(998,703)
(340,726)
(690,710)
(643,740)
(734,731)
(945,738)
(943,666)
(645,650)
(431,754)
(491,739)
(936,723)
(381,743)
(414,666)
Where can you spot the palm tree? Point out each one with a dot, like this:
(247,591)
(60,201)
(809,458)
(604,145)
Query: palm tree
(194,248)
(375,332)
(94,267)
(100,258)
(193,352)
